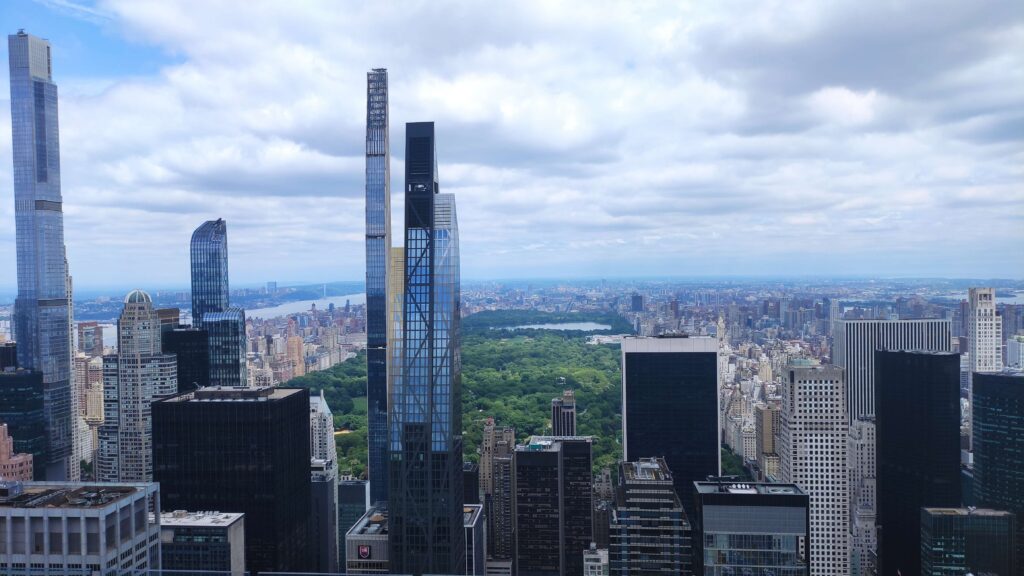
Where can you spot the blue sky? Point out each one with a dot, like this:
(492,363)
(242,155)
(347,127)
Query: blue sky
(622,139)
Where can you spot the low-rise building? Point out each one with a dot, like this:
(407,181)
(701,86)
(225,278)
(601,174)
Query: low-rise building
(203,541)
(366,544)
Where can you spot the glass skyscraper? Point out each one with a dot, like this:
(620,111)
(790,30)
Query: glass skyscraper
(41,319)
(426,533)
(226,333)
(209,270)
(378,248)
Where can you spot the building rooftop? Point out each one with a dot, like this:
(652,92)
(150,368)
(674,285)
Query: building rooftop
(732,487)
(548,443)
(373,522)
(184,518)
(647,469)
(471,514)
(15,494)
(967,512)
(234,394)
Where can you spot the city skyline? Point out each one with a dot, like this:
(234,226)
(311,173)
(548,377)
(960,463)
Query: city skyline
(785,166)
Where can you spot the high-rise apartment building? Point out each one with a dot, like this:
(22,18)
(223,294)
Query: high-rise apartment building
(138,375)
(649,532)
(90,338)
(425,483)
(813,455)
(226,334)
(209,252)
(854,345)
(863,509)
(984,331)
(917,428)
(378,250)
(670,391)
(553,491)
(999,445)
(563,414)
(767,418)
(324,476)
(743,528)
(244,450)
(960,541)
(41,315)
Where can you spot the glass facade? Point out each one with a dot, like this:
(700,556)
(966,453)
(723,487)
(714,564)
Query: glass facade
(226,333)
(209,270)
(378,249)
(41,320)
(191,348)
(21,408)
(959,541)
(425,433)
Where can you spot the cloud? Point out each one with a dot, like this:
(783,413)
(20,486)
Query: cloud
(608,138)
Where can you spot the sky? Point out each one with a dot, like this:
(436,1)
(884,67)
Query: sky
(600,139)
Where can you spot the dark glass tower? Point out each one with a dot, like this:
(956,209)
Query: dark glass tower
(649,531)
(967,541)
(209,270)
(245,451)
(191,348)
(226,333)
(426,533)
(917,404)
(378,249)
(21,407)
(670,392)
(41,320)
(999,445)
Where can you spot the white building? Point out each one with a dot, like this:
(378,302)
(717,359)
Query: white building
(863,506)
(595,561)
(324,476)
(1015,351)
(984,331)
(75,529)
(813,455)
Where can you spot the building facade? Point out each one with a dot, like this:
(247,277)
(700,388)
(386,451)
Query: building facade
(563,414)
(90,338)
(917,404)
(191,349)
(378,250)
(209,252)
(552,498)
(813,455)
(41,316)
(366,544)
(425,483)
(244,450)
(476,545)
(323,467)
(202,541)
(863,508)
(649,531)
(13,465)
(752,529)
(227,339)
(670,391)
(21,410)
(960,541)
(353,502)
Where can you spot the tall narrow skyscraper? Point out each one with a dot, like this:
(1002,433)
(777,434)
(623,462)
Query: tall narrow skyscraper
(41,324)
(563,414)
(378,251)
(425,486)
(209,270)
(227,347)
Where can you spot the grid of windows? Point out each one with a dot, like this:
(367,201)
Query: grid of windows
(209,270)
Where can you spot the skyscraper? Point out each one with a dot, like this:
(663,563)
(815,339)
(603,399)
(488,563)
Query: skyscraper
(226,333)
(244,450)
(90,338)
(378,250)
(985,339)
(957,541)
(323,465)
(425,483)
(917,427)
(999,445)
(142,374)
(670,391)
(191,348)
(563,414)
(553,492)
(813,455)
(21,409)
(209,270)
(40,322)
(863,510)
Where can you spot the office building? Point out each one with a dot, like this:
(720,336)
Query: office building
(13,465)
(496,440)
(813,455)
(476,546)
(766,426)
(1015,352)
(21,410)
(854,345)
(563,414)
(191,349)
(378,249)
(75,529)
(595,561)
(244,450)
(209,252)
(552,499)
(999,445)
(90,338)
(960,541)
(670,391)
(752,529)
(323,466)
(41,315)
(917,405)
(501,522)
(353,502)
(863,510)
(226,333)
(636,303)
(203,541)
(649,532)
(425,483)
(139,374)
(470,483)
(366,544)
(8,356)
(984,331)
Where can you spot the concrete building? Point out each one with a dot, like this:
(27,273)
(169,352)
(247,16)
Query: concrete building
(649,533)
(595,561)
(960,541)
(90,338)
(863,507)
(496,449)
(366,544)
(813,450)
(563,414)
(324,489)
(203,541)
(74,529)
(766,426)
(13,465)
(984,337)
(752,529)
(1015,352)
(476,539)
